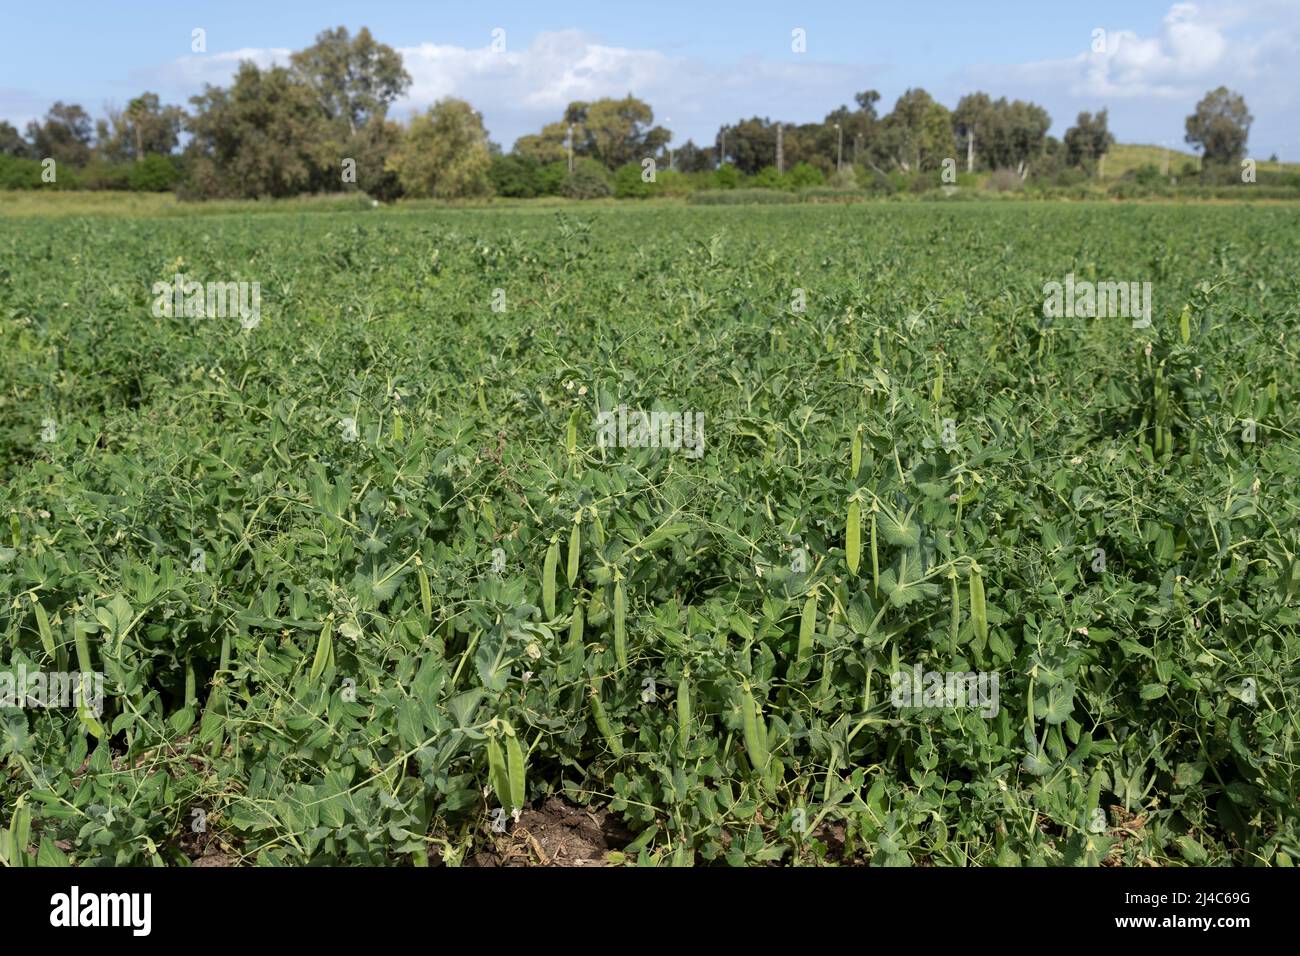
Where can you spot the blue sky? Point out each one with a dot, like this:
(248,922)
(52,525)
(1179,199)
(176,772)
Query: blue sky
(702,63)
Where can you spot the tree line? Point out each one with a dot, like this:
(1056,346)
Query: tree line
(322,124)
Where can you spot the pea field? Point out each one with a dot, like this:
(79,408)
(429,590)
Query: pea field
(635,536)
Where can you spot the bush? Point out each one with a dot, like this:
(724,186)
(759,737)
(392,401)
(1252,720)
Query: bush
(672,183)
(767,178)
(629,182)
(803,175)
(551,177)
(515,176)
(1147,175)
(589,180)
(202,181)
(872,180)
(99,174)
(1005,180)
(733,197)
(844,178)
(726,176)
(153,174)
(18,173)
(824,194)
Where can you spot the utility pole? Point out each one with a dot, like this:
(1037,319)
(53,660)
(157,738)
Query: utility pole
(839,153)
(780,148)
(669,119)
(570,148)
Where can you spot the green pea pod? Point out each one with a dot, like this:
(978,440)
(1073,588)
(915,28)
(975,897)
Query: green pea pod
(683,710)
(324,649)
(875,558)
(83,646)
(426,593)
(548,577)
(575,546)
(20,833)
(498,773)
(855,456)
(620,624)
(602,723)
(754,734)
(93,726)
(43,626)
(956,610)
(775,773)
(853,537)
(572,667)
(978,611)
(515,769)
(807,627)
(571,438)
(1185,324)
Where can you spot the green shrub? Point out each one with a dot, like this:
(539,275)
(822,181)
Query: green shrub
(589,180)
(844,178)
(153,174)
(726,176)
(19,173)
(1147,175)
(99,174)
(516,177)
(629,183)
(1004,181)
(551,177)
(803,175)
(734,197)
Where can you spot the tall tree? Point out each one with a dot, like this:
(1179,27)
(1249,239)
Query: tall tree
(1220,126)
(444,153)
(1088,139)
(612,132)
(689,158)
(548,146)
(1014,133)
(356,78)
(11,141)
(970,120)
(861,128)
(750,144)
(623,131)
(144,128)
(918,133)
(265,135)
(65,135)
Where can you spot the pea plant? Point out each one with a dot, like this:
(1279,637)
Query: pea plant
(497,507)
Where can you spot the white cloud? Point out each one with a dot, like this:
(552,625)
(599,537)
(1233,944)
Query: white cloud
(1150,83)
(190,73)
(519,90)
